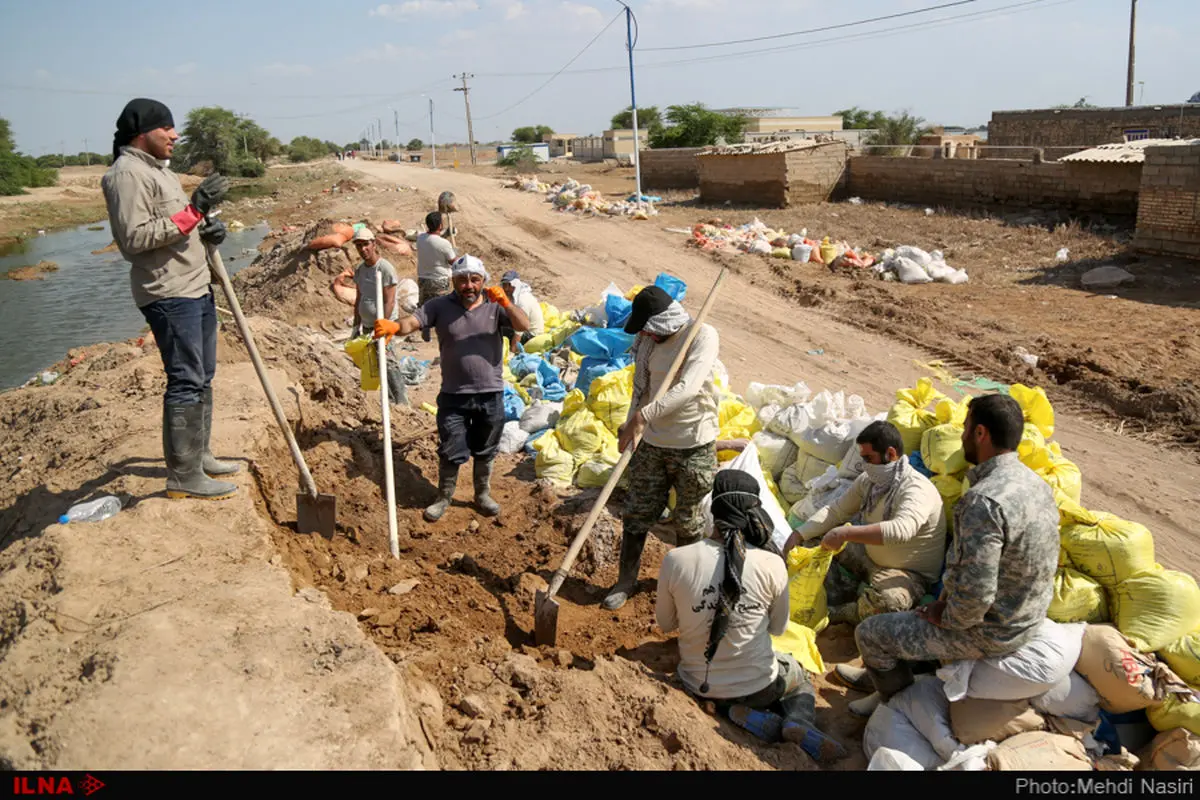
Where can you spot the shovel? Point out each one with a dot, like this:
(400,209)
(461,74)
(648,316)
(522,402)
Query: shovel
(545,609)
(315,513)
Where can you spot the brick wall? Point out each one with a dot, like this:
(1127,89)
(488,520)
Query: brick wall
(1168,220)
(752,179)
(1109,189)
(670,168)
(815,173)
(1090,126)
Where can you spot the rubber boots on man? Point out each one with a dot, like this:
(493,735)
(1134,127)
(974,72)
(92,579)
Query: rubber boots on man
(887,683)
(631,560)
(447,480)
(483,488)
(854,677)
(183,448)
(211,465)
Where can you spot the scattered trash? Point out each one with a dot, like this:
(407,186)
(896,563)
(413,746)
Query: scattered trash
(816,352)
(581,198)
(929,212)
(48,377)
(1026,356)
(94,511)
(1062,256)
(855,201)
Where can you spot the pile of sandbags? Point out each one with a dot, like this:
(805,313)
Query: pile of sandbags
(909,264)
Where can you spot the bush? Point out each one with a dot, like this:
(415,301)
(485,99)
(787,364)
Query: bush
(247,167)
(18,171)
(306,148)
(521,159)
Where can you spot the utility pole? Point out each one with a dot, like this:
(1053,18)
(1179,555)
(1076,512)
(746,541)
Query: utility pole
(86,154)
(467,99)
(380,123)
(1129,78)
(432,139)
(637,157)
(63,145)
(396,119)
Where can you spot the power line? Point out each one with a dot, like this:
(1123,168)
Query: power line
(560,72)
(175,95)
(810,30)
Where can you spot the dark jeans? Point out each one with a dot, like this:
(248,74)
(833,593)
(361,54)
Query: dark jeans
(791,693)
(469,425)
(185,330)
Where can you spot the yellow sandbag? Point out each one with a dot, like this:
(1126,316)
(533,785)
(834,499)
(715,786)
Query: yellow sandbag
(553,463)
(911,415)
(737,420)
(801,643)
(941,449)
(582,434)
(574,401)
(597,469)
(609,397)
(1035,406)
(1155,608)
(807,567)
(551,318)
(551,338)
(366,357)
(1175,713)
(949,412)
(1103,546)
(1077,598)
(1183,656)
(775,490)
(1064,559)
(523,393)
(1049,464)
(632,293)
(1032,437)
(950,487)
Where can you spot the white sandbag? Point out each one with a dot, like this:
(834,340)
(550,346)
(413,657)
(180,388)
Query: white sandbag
(939,270)
(817,499)
(888,760)
(924,704)
(888,728)
(791,422)
(827,442)
(791,486)
(852,464)
(909,271)
(540,415)
(775,453)
(762,394)
(747,461)
(915,254)
(512,438)
(1030,671)
(407,295)
(768,413)
(958,276)
(972,759)
(1072,697)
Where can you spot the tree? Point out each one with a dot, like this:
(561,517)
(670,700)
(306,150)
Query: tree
(352,146)
(520,159)
(1080,103)
(414,145)
(649,119)
(306,148)
(696,126)
(855,118)
(233,145)
(902,129)
(532,134)
(332,148)
(19,171)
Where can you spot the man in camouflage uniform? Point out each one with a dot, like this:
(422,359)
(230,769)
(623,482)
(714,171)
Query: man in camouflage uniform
(679,432)
(999,577)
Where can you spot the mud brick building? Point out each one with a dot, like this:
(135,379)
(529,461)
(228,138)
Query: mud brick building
(1084,127)
(1168,220)
(775,174)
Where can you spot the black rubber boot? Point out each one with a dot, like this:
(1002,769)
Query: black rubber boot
(482,473)
(892,681)
(631,561)
(211,465)
(183,447)
(447,480)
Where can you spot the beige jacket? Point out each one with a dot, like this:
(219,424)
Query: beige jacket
(686,416)
(142,196)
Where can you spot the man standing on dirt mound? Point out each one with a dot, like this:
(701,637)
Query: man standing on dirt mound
(679,433)
(470,406)
(999,577)
(162,234)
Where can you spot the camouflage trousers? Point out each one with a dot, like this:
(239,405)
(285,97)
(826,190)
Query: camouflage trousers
(429,288)
(885,589)
(886,639)
(653,472)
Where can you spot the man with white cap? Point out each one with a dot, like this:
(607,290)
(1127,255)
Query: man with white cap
(522,297)
(678,450)
(470,406)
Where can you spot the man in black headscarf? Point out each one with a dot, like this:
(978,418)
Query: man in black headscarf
(727,595)
(162,234)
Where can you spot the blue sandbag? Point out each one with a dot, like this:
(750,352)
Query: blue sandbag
(592,368)
(524,363)
(672,286)
(514,406)
(918,464)
(603,343)
(617,309)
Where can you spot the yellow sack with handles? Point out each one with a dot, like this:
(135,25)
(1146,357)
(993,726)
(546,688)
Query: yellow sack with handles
(609,397)
(553,463)
(1102,546)
(1035,406)
(911,414)
(1155,608)
(950,487)
(807,568)
(597,469)
(941,449)
(801,643)
(737,420)
(1077,598)
(1175,713)
(1049,464)
(1183,656)
(949,412)
(366,357)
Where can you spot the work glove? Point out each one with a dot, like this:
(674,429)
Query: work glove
(386,328)
(210,192)
(497,295)
(212,232)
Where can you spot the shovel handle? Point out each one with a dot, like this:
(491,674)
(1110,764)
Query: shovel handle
(569,560)
(218,267)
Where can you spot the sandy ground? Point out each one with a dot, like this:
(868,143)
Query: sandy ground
(454,612)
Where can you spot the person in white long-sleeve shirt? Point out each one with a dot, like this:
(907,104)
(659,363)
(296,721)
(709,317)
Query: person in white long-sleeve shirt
(522,297)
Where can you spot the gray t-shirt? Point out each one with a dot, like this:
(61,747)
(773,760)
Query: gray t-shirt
(434,256)
(364,278)
(469,343)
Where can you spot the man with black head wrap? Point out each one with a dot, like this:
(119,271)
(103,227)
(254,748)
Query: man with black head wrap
(162,234)
(727,595)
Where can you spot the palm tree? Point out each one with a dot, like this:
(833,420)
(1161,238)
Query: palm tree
(900,130)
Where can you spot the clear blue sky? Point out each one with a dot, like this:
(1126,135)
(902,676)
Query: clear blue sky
(326,69)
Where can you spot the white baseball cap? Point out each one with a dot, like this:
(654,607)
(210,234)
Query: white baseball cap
(468,264)
(364,235)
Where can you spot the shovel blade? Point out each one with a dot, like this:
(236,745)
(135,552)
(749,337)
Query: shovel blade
(316,515)
(545,619)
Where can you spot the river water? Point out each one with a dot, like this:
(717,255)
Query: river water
(85,302)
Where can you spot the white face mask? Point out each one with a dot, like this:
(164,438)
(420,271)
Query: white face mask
(881,474)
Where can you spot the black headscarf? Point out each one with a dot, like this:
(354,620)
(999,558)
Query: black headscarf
(739,517)
(140,116)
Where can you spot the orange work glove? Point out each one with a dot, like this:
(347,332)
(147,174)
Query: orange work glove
(497,295)
(385,327)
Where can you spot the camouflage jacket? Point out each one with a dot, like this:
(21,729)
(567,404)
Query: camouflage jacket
(999,577)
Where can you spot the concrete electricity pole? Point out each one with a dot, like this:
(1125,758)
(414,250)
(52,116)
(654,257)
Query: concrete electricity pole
(1129,77)
(86,154)
(466,99)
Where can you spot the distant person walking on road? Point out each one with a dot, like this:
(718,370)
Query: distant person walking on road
(162,234)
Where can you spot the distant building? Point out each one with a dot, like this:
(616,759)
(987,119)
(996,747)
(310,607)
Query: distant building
(540,149)
(615,144)
(777,174)
(1078,128)
(560,144)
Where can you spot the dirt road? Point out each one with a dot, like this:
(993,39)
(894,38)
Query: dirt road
(767,337)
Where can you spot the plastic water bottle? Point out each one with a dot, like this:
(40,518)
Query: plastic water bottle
(94,511)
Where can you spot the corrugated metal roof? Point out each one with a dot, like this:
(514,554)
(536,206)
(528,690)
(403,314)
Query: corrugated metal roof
(763,148)
(1118,153)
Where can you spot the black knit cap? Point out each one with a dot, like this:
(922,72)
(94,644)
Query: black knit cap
(140,116)
(648,302)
